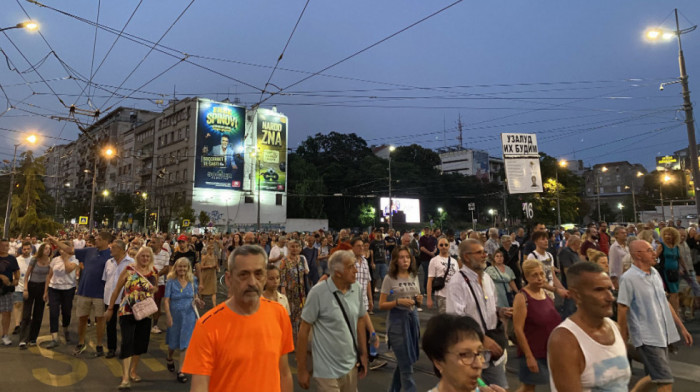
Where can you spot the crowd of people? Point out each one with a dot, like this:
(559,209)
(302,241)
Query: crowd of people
(573,302)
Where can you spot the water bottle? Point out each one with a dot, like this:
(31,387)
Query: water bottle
(372,350)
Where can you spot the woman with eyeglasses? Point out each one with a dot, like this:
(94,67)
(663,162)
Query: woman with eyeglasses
(534,319)
(438,268)
(455,346)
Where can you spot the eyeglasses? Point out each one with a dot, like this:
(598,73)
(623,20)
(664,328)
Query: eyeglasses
(444,245)
(467,358)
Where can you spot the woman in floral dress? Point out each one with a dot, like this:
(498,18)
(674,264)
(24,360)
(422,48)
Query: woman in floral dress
(293,271)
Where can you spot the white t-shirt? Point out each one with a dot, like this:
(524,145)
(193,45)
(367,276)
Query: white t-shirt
(78,244)
(547,261)
(275,253)
(23,265)
(437,268)
(161,260)
(60,279)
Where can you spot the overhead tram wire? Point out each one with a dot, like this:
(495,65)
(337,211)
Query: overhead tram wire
(45,41)
(94,48)
(116,39)
(104,105)
(151,80)
(363,50)
(262,93)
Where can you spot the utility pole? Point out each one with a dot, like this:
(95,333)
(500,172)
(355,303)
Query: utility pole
(459,128)
(689,119)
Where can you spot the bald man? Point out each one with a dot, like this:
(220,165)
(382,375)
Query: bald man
(647,318)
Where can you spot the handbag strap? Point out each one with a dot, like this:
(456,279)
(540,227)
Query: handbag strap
(347,321)
(447,271)
(476,300)
(501,276)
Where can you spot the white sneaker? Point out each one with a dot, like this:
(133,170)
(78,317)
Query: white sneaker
(6,340)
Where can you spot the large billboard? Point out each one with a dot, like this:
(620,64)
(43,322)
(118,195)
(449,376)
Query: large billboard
(219,152)
(481,165)
(271,136)
(408,209)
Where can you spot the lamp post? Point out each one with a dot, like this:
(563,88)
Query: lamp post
(666,178)
(108,152)
(29,25)
(391,209)
(144,195)
(440,211)
(597,190)
(256,173)
(562,163)
(621,206)
(6,229)
(655,34)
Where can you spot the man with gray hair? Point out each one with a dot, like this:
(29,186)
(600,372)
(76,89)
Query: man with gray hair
(492,243)
(472,293)
(244,341)
(618,254)
(113,268)
(335,311)
(279,251)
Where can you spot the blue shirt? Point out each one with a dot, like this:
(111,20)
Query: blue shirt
(332,345)
(91,284)
(649,317)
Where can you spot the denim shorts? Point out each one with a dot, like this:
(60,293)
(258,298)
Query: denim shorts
(656,363)
(527,377)
(18,296)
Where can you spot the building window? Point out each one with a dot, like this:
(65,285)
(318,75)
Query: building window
(249,200)
(278,199)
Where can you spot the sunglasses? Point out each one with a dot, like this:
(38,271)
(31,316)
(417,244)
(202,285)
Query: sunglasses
(444,245)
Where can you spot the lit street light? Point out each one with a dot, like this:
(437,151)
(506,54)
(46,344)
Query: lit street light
(666,179)
(563,164)
(391,207)
(597,190)
(144,195)
(655,34)
(105,193)
(29,25)
(107,152)
(31,139)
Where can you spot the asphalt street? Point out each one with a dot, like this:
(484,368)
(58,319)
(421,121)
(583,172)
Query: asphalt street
(40,369)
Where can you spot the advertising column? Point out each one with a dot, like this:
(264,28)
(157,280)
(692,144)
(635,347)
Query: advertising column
(271,136)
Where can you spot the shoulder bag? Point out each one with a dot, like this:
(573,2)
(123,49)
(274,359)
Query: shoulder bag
(347,322)
(145,307)
(439,282)
(497,334)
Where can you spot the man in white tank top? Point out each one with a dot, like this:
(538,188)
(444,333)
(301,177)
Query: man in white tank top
(586,352)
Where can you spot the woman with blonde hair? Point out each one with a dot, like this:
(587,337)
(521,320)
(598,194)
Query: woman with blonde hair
(600,258)
(534,319)
(671,264)
(139,282)
(179,303)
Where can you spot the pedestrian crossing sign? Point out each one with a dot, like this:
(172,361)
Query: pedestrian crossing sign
(83,220)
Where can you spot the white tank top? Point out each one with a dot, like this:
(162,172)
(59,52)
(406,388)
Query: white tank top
(607,368)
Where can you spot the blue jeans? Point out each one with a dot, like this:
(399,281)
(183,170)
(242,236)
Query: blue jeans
(382,270)
(496,374)
(404,333)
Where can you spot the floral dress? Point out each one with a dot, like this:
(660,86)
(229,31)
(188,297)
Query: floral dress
(292,279)
(137,288)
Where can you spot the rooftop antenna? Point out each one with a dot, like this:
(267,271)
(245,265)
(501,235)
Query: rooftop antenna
(444,133)
(236,99)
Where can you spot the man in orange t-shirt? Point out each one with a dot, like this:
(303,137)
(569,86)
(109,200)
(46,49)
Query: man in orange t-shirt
(242,344)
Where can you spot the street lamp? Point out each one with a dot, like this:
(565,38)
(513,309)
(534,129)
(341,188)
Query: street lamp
(256,172)
(597,190)
(107,152)
(563,164)
(29,25)
(440,211)
(31,139)
(665,179)
(105,193)
(391,209)
(144,195)
(655,34)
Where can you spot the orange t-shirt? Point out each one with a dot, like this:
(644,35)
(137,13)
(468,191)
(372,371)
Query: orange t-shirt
(240,353)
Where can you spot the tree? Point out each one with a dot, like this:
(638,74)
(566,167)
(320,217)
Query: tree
(30,200)
(203,219)
(367,215)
